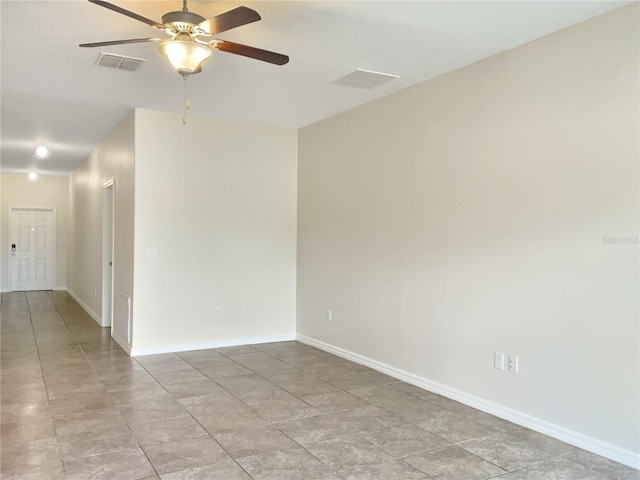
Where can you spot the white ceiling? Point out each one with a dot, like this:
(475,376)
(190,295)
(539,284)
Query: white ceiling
(53,94)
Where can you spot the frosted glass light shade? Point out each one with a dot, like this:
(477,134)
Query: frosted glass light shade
(184,56)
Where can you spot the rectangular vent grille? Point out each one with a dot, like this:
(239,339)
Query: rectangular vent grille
(120,62)
(366,79)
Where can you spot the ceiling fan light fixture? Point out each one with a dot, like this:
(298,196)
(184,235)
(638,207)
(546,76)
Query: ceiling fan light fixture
(185,56)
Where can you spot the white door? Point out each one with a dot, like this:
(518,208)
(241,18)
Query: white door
(31,247)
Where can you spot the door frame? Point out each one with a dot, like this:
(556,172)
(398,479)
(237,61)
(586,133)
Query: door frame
(108,250)
(53,242)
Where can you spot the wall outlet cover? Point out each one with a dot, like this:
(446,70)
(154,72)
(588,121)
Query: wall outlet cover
(513,364)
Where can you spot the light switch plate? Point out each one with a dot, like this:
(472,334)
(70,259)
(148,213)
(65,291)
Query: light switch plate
(498,360)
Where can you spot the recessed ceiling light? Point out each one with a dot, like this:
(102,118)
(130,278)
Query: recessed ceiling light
(32,175)
(42,152)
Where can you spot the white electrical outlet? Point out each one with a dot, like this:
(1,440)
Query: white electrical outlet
(329,316)
(217,312)
(498,360)
(152,253)
(513,363)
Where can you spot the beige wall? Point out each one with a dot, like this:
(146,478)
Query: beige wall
(467,215)
(112,159)
(46,191)
(217,200)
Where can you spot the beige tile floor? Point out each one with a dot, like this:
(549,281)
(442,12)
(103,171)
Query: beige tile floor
(75,406)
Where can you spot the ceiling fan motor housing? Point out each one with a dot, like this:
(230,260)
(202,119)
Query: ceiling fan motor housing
(183,22)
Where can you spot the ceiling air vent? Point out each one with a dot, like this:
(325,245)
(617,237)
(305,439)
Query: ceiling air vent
(120,62)
(364,79)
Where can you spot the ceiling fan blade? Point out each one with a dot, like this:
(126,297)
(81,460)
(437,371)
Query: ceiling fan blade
(226,21)
(128,13)
(251,52)
(119,42)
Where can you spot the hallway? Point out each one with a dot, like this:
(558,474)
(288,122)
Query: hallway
(75,406)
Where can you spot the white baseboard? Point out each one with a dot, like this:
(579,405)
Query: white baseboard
(186,347)
(120,341)
(56,289)
(86,308)
(626,457)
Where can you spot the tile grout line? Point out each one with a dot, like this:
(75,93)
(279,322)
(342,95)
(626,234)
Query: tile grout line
(96,373)
(46,388)
(190,415)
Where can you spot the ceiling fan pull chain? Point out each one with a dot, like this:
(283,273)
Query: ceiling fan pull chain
(186,100)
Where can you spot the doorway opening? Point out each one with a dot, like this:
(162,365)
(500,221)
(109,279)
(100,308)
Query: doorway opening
(108,210)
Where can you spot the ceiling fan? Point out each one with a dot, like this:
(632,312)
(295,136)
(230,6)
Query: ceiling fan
(190,42)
